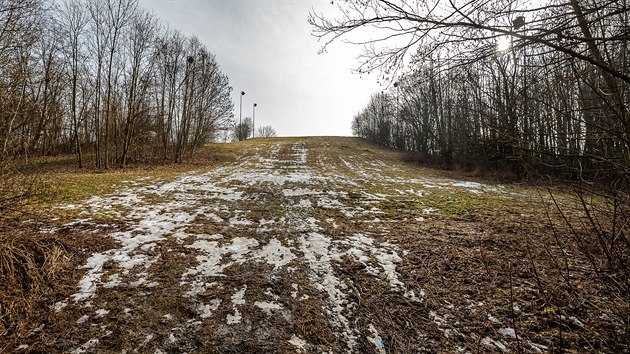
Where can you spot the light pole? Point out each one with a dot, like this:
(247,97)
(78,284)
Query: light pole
(240,116)
(398,139)
(254,121)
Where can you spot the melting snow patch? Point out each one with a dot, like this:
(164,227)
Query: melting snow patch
(255,178)
(205,310)
(236,220)
(214,218)
(328,203)
(154,225)
(438,320)
(305,203)
(297,342)
(295,290)
(114,281)
(467,184)
(429,210)
(298,192)
(275,253)
(60,305)
(493,344)
(239,247)
(237,300)
(510,332)
(83,319)
(86,346)
(100,313)
(376,339)
(386,257)
(211,262)
(267,306)
(332,222)
(263,222)
(315,248)
(146,340)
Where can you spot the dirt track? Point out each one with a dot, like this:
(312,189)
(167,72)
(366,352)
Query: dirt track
(301,245)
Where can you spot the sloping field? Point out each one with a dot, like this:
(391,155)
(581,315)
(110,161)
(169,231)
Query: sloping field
(324,245)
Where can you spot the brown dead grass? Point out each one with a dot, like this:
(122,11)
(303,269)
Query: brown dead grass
(36,270)
(482,258)
(518,270)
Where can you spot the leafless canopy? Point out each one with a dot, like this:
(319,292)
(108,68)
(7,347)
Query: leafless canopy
(107,77)
(398,33)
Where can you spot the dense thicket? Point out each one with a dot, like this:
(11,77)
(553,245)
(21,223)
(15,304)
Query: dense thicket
(104,77)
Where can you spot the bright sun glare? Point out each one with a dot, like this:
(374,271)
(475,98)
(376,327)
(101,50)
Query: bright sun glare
(503,43)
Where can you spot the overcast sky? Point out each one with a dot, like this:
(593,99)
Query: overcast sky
(267,50)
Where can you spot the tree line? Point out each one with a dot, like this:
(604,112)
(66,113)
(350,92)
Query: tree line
(544,89)
(104,78)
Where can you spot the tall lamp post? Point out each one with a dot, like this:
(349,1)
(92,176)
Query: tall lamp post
(240,116)
(240,113)
(254,120)
(398,139)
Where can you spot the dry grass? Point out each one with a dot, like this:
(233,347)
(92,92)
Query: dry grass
(37,269)
(484,262)
(29,267)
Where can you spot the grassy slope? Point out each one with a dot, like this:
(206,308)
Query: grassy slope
(507,252)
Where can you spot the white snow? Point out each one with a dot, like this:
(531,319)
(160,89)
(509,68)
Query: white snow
(58,306)
(376,340)
(85,347)
(206,310)
(493,344)
(276,254)
(100,313)
(429,210)
(315,248)
(267,306)
(299,192)
(509,332)
(237,300)
(295,290)
(305,203)
(297,342)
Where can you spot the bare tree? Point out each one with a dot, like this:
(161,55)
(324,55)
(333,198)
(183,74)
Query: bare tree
(466,30)
(118,15)
(19,21)
(266,131)
(141,39)
(75,20)
(243,129)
